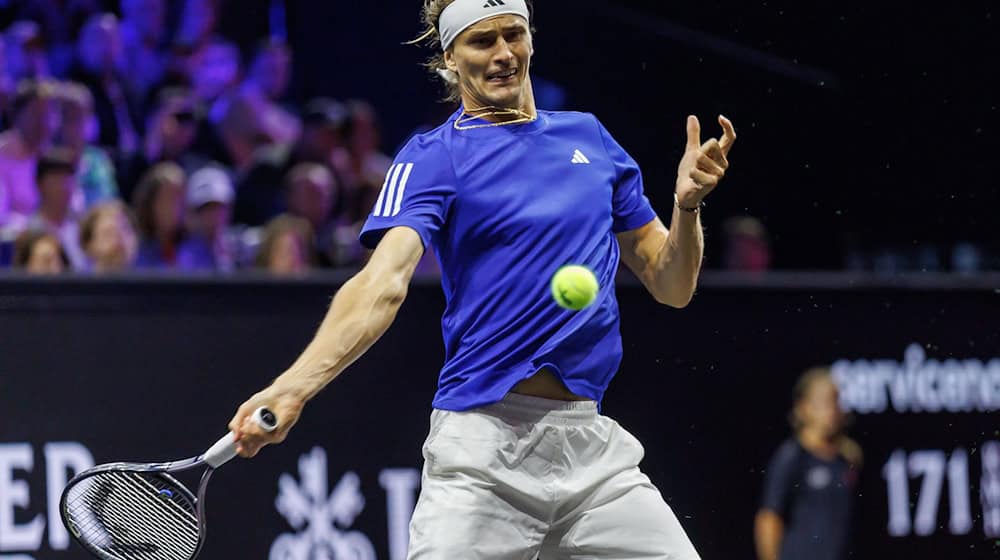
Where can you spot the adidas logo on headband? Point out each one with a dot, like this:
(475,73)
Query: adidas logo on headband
(494,4)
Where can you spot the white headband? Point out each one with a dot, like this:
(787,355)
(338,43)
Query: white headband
(461,14)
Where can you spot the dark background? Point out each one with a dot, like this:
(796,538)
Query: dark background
(706,390)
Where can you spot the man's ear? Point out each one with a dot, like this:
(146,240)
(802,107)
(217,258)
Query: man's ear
(449,60)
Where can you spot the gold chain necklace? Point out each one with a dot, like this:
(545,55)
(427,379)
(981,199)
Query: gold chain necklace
(461,123)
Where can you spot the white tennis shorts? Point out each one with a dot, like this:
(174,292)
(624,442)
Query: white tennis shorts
(530,478)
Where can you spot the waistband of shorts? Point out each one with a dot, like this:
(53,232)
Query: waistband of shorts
(537,409)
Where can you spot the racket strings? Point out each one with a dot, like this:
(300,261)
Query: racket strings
(133,516)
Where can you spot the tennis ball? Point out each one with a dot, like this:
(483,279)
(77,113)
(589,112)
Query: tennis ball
(574,287)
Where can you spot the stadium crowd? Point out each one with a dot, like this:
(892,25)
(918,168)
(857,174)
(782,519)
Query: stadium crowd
(127,143)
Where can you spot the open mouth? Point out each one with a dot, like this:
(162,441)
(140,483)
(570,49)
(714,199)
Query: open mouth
(502,77)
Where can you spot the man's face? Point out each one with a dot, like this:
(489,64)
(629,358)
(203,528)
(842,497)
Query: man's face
(37,123)
(492,59)
(56,189)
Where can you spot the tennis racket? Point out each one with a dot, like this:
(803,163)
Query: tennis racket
(138,511)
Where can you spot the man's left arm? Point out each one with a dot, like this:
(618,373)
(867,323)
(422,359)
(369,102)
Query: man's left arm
(668,261)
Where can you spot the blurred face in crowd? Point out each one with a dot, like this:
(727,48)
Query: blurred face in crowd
(100,44)
(272,70)
(56,189)
(113,243)
(45,257)
(177,126)
(216,68)
(168,206)
(37,123)
(211,219)
(311,194)
(819,408)
(197,21)
(148,17)
(492,58)
(26,60)
(288,255)
(77,127)
(364,132)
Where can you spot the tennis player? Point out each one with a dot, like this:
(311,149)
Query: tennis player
(519,463)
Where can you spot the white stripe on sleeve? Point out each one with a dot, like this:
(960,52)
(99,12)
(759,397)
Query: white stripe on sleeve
(402,188)
(381,194)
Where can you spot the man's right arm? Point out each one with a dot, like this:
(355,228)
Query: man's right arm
(768,532)
(361,312)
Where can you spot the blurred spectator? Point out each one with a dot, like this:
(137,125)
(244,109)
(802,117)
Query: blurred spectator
(33,119)
(235,139)
(215,72)
(286,247)
(367,164)
(159,202)
(271,69)
(77,132)
(39,252)
(143,31)
(99,66)
(268,77)
(26,55)
(107,234)
(259,196)
(170,133)
(210,198)
(60,22)
(747,248)
(199,19)
(56,179)
(806,510)
(310,192)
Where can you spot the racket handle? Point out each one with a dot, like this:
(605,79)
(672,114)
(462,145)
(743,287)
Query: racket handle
(224,450)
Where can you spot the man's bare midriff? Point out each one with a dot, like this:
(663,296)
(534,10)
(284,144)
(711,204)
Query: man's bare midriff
(546,385)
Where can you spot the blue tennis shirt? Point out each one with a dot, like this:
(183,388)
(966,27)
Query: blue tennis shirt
(503,209)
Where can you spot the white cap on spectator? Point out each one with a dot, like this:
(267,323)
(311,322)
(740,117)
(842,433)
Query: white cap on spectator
(209,184)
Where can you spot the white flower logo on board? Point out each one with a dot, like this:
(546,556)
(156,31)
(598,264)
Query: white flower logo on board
(321,520)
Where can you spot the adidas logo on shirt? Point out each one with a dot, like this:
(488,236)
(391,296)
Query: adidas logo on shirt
(494,4)
(578,157)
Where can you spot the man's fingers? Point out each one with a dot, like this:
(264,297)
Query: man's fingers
(708,165)
(693,133)
(713,149)
(703,179)
(728,134)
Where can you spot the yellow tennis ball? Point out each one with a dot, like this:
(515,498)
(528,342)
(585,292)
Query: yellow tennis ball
(574,287)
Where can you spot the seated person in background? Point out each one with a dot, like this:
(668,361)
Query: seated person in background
(210,200)
(170,133)
(107,235)
(286,247)
(20,147)
(56,176)
(77,133)
(310,192)
(259,195)
(100,65)
(159,202)
(39,252)
(806,510)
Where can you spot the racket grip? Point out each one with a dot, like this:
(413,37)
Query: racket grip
(224,450)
